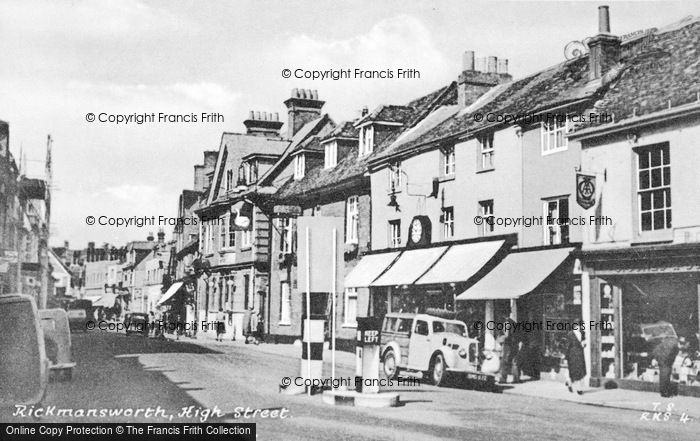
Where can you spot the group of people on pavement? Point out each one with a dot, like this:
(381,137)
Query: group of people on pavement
(253,326)
(518,354)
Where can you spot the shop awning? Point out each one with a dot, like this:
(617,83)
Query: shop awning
(518,274)
(409,267)
(368,269)
(106,300)
(461,262)
(174,288)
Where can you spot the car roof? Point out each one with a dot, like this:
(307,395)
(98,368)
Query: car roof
(400,315)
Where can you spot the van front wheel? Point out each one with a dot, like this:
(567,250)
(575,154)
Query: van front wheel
(437,370)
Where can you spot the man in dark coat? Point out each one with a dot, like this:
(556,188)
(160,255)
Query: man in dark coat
(575,360)
(664,351)
(509,352)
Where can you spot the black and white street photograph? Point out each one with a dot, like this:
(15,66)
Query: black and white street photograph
(350,220)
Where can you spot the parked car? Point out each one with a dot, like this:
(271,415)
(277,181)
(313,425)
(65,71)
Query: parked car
(57,342)
(24,366)
(136,323)
(429,344)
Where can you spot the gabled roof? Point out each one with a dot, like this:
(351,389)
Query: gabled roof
(243,144)
(351,169)
(320,126)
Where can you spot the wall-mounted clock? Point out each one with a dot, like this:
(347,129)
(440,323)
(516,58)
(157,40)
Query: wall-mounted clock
(419,232)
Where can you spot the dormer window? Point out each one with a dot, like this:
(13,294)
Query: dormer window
(366,140)
(330,157)
(299,166)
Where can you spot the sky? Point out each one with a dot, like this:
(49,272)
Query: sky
(65,59)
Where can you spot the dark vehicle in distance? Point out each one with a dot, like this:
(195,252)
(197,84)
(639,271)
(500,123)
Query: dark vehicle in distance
(136,323)
(79,313)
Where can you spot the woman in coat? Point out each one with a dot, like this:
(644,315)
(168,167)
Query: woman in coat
(575,360)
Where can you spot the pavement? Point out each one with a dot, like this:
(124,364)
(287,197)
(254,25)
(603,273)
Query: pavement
(648,402)
(190,380)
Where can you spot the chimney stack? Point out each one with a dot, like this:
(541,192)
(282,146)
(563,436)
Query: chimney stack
(468,60)
(263,124)
(478,76)
(603,20)
(302,107)
(161,236)
(150,236)
(604,48)
(492,63)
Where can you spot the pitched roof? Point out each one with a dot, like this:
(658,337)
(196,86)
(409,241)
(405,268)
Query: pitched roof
(345,130)
(388,113)
(351,168)
(658,71)
(320,126)
(653,72)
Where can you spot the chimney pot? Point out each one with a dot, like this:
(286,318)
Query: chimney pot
(365,111)
(480,64)
(603,20)
(492,64)
(503,66)
(468,60)
(295,93)
(264,116)
(277,116)
(252,115)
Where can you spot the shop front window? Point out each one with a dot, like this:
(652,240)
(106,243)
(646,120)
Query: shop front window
(653,307)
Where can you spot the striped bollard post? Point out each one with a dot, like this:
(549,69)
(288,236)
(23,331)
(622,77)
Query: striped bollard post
(312,349)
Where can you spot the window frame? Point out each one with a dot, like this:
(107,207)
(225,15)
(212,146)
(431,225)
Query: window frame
(330,154)
(223,232)
(562,231)
(486,150)
(448,160)
(349,293)
(448,222)
(394,174)
(352,220)
(366,146)
(231,232)
(299,166)
(664,188)
(549,129)
(286,235)
(394,226)
(486,228)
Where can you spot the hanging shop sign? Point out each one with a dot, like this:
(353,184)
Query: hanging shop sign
(585,190)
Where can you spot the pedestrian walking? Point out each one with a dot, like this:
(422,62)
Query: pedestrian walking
(512,342)
(260,328)
(220,324)
(254,322)
(575,360)
(247,315)
(665,351)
